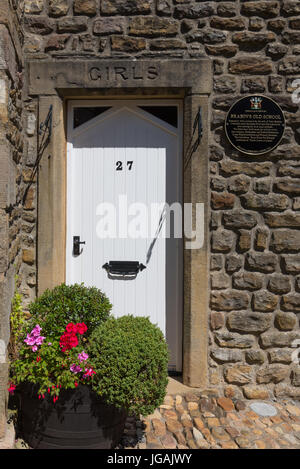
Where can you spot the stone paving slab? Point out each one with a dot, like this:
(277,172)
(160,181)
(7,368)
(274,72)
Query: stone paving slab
(8,441)
(199,421)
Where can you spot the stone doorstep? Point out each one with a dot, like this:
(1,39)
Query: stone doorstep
(8,442)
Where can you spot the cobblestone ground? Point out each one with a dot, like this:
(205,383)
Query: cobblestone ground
(194,421)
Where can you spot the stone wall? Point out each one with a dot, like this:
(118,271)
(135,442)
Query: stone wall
(11,177)
(255,240)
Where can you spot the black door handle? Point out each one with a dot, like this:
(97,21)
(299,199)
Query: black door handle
(123,268)
(76,245)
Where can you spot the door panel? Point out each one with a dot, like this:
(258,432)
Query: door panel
(122,157)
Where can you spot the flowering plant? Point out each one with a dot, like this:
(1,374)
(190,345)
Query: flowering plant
(52,346)
(71,339)
(53,365)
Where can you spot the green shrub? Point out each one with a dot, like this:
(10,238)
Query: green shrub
(17,322)
(69,303)
(130,358)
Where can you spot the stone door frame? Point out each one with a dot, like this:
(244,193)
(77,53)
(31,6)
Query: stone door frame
(54,83)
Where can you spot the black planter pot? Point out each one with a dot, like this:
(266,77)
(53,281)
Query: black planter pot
(78,419)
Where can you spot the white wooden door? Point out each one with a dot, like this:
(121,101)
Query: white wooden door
(123,165)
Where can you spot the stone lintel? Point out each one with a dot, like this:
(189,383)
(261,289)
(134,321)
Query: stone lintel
(47,77)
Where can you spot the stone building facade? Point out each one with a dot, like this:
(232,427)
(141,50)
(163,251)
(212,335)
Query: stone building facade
(241,321)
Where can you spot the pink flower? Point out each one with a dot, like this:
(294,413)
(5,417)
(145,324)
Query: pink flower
(11,388)
(82,357)
(36,331)
(29,340)
(40,340)
(34,338)
(75,368)
(89,372)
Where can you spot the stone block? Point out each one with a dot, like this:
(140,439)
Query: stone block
(238,374)
(285,241)
(255,357)
(226,50)
(85,7)
(255,392)
(225,84)
(247,281)
(289,65)
(271,202)
(244,241)
(230,168)
(278,339)
(253,85)
(239,184)
(262,262)
(58,7)
(279,284)
(152,26)
(56,42)
(228,24)
(222,241)
(193,11)
(123,7)
(72,24)
(39,25)
(7,52)
(226,356)
(233,263)
(296,377)
(250,65)
(229,300)
(285,321)
(264,301)
(279,355)
(290,8)
(237,219)
(127,44)
(216,262)
(249,322)
(275,84)
(231,340)
(272,374)
(291,302)
(225,9)
(252,41)
(262,9)
(167,44)
(217,320)
(261,240)
(33,6)
(291,264)
(285,220)
(105,26)
(7,177)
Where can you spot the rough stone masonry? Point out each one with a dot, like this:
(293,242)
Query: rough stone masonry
(254,47)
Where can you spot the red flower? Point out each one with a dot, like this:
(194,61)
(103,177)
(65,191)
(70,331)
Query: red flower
(71,328)
(81,328)
(11,388)
(68,341)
